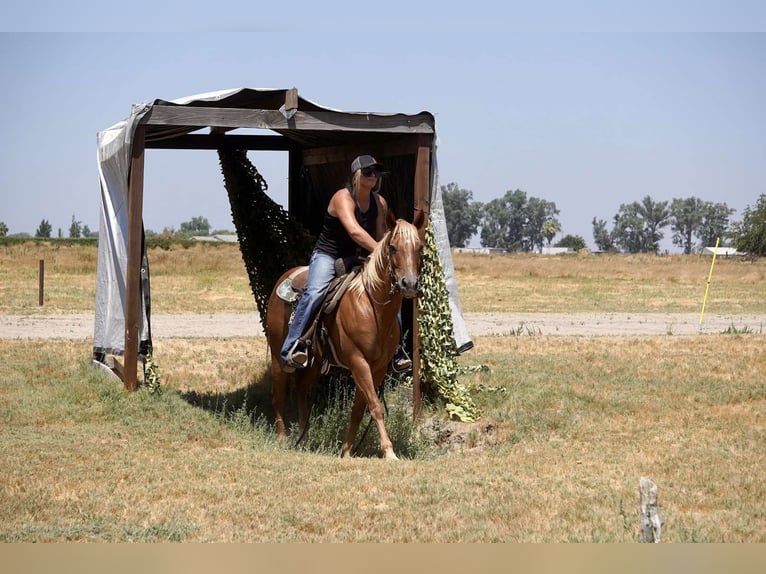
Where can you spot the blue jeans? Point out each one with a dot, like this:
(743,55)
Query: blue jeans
(321,274)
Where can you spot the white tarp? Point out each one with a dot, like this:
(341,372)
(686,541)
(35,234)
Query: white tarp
(115,145)
(439,224)
(113,154)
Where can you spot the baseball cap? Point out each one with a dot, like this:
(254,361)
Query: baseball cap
(364,161)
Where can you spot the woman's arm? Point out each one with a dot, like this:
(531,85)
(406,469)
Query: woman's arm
(343,207)
(380,222)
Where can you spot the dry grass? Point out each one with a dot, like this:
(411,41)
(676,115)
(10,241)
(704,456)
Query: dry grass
(628,283)
(570,425)
(212,278)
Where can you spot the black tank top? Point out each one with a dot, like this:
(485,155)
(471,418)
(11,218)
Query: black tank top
(334,240)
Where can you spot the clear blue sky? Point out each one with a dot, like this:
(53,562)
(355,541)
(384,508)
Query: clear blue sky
(588,104)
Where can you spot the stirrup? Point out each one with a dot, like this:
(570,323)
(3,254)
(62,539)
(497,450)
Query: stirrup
(297,358)
(401,361)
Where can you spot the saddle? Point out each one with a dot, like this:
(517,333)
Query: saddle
(293,286)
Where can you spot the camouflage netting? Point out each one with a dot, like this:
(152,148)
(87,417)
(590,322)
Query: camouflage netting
(439,369)
(270,240)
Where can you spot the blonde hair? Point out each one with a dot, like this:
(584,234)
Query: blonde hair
(357,175)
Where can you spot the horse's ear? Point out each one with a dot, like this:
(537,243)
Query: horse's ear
(390,219)
(420,219)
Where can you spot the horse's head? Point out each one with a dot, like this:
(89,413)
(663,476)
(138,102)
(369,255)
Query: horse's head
(404,247)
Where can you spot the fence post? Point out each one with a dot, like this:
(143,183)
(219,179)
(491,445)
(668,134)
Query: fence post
(651,523)
(41,286)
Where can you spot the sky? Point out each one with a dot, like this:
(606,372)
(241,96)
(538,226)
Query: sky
(587,104)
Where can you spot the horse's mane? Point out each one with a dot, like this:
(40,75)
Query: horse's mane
(375,272)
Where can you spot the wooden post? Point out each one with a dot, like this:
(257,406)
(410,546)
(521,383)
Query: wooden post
(422,203)
(41,285)
(133,272)
(651,523)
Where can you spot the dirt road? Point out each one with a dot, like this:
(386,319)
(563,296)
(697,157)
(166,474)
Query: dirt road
(80,326)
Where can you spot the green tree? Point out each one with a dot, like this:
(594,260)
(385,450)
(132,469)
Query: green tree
(750,234)
(716,219)
(515,222)
(44,229)
(550,228)
(75,230)
(685,221)
(637,225)
(692,218)
(574,242)
(197,226)
(503,223)
(602,237)
(538,213)
(3,229)
(463,215)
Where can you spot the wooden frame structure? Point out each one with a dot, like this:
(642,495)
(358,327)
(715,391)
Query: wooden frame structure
(314,138)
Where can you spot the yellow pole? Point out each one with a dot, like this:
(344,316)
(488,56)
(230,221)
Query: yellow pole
(709,278)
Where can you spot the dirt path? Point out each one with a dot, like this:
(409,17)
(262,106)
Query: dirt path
(80,326)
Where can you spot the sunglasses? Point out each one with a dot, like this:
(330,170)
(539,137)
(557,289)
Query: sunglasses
(370,171)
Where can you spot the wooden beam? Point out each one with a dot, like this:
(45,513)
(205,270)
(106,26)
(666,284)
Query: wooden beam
(274,120)
(291,99)
(133,271)
(219,141)
(422,203)
(398,145)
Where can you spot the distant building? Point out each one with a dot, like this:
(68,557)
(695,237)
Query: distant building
(225,237)
(557,251)
(722,251)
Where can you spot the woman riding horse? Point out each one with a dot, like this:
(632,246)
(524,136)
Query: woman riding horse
(361,331)
(354,222)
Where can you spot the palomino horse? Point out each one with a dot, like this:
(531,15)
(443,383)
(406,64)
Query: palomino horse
(363,330)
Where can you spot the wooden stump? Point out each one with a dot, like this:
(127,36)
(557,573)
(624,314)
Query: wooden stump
(651,522)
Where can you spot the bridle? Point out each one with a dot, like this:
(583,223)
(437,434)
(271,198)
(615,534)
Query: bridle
(392,282)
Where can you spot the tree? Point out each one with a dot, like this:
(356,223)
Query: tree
(44,229)
(574,242)
(515,222)
(750,234)
(197,226)
(601,236)
(550,228)
(637,225)
(715,222)
(3,229)
(692,217)
(503,223)
(538,213)
(75,230)
(462,215)
(685,221)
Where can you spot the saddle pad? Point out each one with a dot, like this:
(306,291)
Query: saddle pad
(293,285)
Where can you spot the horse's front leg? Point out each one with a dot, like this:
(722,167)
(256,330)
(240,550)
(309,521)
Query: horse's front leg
(365,386)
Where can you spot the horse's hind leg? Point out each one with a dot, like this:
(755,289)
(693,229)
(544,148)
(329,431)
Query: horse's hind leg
(303,384)
(357,412)
(278,386)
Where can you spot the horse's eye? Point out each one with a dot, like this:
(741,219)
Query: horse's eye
(392,249)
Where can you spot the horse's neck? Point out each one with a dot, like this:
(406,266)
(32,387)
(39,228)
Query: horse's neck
(382,294)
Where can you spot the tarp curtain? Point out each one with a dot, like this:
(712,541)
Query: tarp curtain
(115,146)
